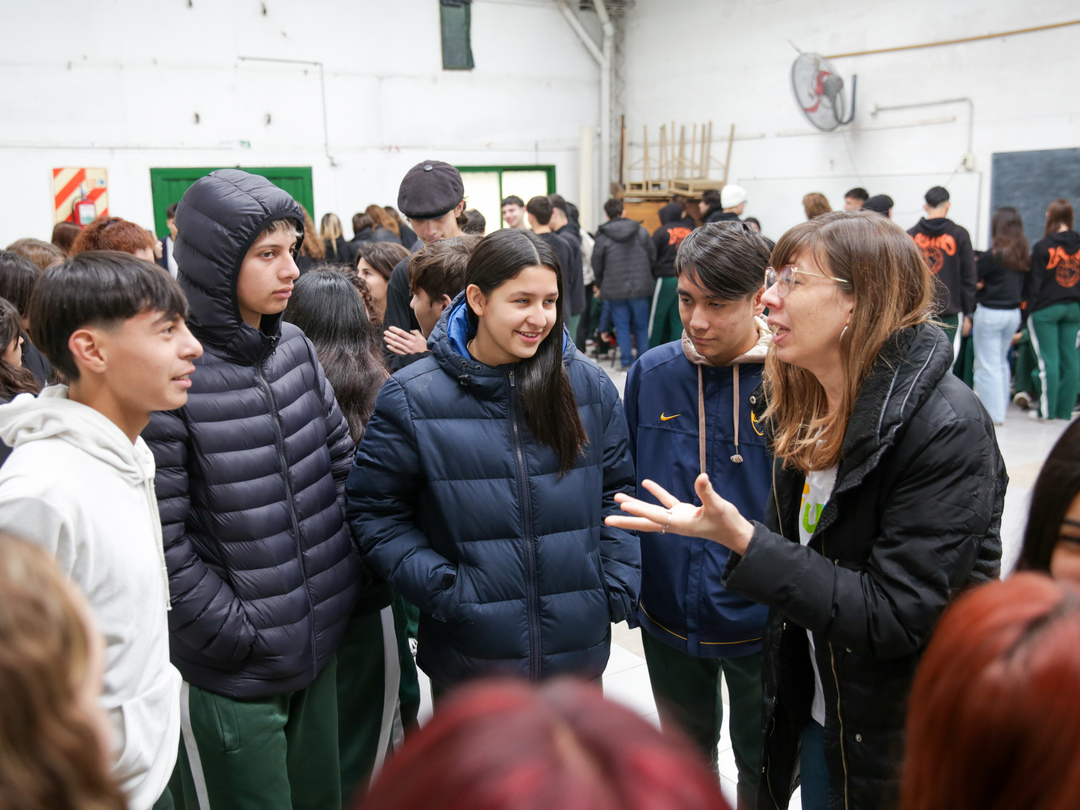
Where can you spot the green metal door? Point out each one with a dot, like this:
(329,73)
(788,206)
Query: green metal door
(169,185)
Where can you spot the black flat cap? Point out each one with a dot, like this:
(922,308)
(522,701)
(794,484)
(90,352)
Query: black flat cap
(879,204)
(430,189)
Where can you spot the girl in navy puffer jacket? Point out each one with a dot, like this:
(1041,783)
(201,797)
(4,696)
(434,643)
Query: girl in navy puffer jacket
(482,483)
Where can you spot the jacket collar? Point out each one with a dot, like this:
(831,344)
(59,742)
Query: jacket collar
(756,354)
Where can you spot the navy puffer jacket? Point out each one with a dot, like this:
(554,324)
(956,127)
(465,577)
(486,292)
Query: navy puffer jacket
(454,502)
(262,571)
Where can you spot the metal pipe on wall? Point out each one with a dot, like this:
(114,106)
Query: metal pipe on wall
(605,100)
(600,189)
(587,179)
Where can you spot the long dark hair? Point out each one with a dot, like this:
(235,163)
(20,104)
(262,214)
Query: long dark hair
(545,386)
(1055,489)
(18,277)
(1008,242)
(329,309)
(14,380)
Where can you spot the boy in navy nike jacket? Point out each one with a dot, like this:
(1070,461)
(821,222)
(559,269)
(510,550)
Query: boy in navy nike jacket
(688,407)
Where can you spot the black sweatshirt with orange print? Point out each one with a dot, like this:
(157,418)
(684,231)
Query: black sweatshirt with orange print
(947,249)
(1055,272)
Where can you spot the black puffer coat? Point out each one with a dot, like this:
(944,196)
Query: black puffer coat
(914,518)
(262,571)
(454,502)
(622,260)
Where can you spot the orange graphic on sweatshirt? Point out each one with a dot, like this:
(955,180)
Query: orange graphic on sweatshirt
(935,248)
(676,235)
(1068,267)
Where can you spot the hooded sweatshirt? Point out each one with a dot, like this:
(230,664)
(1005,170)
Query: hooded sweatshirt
(947,250)
(77,486)
(686,417)
(1055,271)
(622,260)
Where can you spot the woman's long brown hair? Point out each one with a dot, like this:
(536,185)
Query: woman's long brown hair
(890,282)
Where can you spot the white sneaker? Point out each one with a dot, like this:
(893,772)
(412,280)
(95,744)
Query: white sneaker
(1022,400)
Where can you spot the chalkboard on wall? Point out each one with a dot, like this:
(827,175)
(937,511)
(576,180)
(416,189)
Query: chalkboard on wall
(1030,181)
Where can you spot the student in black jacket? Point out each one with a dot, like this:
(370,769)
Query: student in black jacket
(665,325)
(262,572)
(565,228)
(1052,294)
(947,249)
(887,499)
(1001,272)
(432,196)
(539,211)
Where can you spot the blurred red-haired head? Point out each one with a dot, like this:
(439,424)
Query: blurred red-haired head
(994,721)
(506,745)
(113,233)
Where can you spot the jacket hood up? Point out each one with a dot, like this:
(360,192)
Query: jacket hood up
(620,230)
(672,212)
(217,221)
(52,415)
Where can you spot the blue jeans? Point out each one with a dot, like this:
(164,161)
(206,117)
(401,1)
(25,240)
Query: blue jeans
(992,331)
(631,326)
(814,780)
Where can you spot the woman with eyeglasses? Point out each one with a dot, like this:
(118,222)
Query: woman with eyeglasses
(887,495)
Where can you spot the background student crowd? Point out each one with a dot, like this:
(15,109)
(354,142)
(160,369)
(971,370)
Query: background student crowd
(400,436)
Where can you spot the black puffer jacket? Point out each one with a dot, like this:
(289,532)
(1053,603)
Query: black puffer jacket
(454,502)
(622,260)
(262,571)
(913,519)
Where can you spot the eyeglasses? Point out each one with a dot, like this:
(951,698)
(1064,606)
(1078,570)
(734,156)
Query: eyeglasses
(785,275)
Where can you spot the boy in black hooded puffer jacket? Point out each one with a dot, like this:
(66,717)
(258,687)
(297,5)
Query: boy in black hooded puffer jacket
(262,571)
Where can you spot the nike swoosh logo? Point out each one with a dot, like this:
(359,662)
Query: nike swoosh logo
(666,418)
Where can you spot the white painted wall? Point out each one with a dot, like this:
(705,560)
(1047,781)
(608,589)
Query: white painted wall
(729,61)
(117,84)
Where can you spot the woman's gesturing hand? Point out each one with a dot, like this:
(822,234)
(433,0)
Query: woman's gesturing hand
(715,519)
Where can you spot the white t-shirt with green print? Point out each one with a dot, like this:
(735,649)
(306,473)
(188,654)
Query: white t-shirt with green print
(816,491)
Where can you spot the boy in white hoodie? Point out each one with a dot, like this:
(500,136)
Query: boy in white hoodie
(80,482)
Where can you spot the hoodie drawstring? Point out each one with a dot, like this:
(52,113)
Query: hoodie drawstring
(738,459)
(735,385)
(701,420)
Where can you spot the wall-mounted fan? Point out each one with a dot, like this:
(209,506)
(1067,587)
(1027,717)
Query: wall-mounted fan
(819,92)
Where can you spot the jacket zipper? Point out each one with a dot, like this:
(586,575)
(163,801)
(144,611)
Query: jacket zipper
(772,720)
(839,713)
(531,597)
(279,440)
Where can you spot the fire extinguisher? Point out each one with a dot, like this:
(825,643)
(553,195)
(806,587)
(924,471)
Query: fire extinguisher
(83,211)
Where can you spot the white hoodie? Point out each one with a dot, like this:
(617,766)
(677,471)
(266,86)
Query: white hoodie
(76,485)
